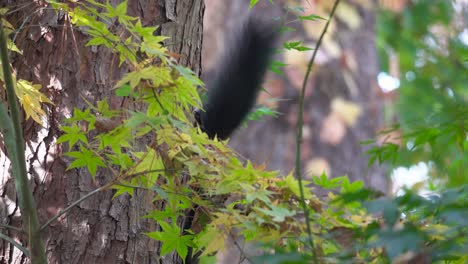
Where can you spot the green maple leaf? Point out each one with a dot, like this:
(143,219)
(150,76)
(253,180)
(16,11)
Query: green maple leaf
(278,213)
(171,239)
(72,134)
(86,158)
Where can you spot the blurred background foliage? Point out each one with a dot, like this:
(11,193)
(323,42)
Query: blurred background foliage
(423,47)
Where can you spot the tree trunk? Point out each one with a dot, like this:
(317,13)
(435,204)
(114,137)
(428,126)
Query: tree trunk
(345,71)
(100,229)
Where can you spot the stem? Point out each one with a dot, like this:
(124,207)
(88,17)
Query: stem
(71,206)
(16,244)
(27,203)
(299,135)
(86,196)
(19,230)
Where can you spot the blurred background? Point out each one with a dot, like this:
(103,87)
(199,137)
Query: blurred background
(383,66)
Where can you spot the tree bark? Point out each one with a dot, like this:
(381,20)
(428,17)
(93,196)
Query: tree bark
(100,229)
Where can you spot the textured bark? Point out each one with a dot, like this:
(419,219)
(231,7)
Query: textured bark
(273,140)
(100,229)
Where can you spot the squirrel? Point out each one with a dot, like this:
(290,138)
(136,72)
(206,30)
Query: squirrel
(233,90)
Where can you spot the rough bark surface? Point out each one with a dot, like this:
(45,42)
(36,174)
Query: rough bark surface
(273,140)
(100,229)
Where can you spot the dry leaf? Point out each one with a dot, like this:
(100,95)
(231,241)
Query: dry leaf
(296,77)
(349,61)
(333,129)
(350,83)
(349,15)
(317,166)
(393,137)
(297,58)
(347,111)
(331,47)
(104,125)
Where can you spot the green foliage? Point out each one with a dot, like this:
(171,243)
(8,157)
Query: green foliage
(311,17)
(433,111)
(179,165)
(433,97)
(266,207)
(295,45)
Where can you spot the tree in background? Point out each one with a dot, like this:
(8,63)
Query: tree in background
(343,106)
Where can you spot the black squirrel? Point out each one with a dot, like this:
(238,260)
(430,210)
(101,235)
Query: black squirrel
(233,90)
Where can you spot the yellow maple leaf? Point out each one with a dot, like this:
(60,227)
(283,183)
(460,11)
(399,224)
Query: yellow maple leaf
(31,98)
(215,243)
(349,15)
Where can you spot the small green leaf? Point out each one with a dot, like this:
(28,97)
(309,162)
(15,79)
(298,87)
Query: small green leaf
(287,29)
(275,66)
(278,213)
(122,189)
(295,45)
(311,17)
(72,135)
(124,90)
(86,158)
(171,239)
(252,3)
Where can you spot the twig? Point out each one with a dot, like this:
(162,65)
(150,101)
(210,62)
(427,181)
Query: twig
(17,229)
(16,244)
(299,135)
(71,206)
(86,196)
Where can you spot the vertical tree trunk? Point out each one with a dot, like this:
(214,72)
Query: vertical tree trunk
(100,229)
(345,71)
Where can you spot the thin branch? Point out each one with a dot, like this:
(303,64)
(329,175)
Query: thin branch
(104,187)
(17,229)
(16,244)
(243,255)
(299,135)
(71,206)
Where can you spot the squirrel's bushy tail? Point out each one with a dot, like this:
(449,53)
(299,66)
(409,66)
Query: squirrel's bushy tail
(233,90)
